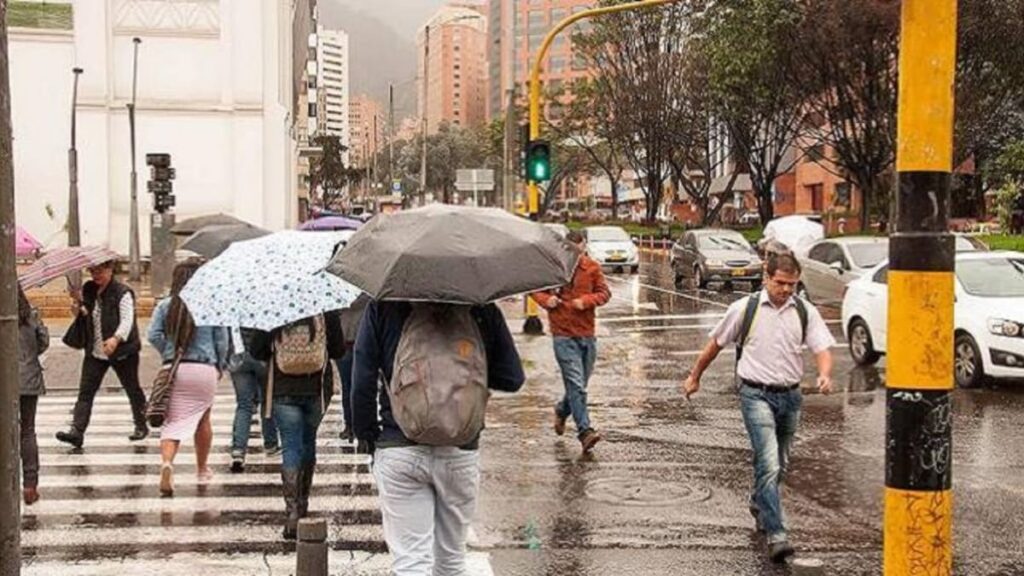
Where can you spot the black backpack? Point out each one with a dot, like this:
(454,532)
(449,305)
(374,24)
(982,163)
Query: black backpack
(750,314)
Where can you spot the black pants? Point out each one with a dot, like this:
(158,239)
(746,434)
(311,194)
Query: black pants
(93,371)
(29,446)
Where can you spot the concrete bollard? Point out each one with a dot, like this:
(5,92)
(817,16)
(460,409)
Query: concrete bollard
(807,567)
(311,549)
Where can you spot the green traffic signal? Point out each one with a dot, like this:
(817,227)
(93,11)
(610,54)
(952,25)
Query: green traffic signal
(538,161)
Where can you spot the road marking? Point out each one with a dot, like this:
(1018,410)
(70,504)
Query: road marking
(673,292)
(676,327)
(653,318)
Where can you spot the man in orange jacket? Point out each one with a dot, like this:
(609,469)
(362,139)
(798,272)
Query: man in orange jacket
(571,312)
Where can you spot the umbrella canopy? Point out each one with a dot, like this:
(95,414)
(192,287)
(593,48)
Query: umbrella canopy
(193,225)
(210,241)
(443,253)
(797,232)
(331,223)
(25,244)
(62,262)
(269,282)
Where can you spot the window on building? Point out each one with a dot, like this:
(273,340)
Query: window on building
(455,48)
(458,66)
(558,14)
(817,197)
(536,21)
(842,198)
(816,153)
(557,64)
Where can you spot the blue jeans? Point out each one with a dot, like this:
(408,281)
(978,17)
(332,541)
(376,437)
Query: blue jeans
(248,379)
(576,357)
(345,371)
(771,419)
(298,418)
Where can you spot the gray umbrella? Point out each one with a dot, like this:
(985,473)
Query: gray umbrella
(212,240)
(443,253)
(193,225)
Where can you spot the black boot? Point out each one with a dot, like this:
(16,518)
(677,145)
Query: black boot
(73,437)
(141,433)
(305,485)
(290,484)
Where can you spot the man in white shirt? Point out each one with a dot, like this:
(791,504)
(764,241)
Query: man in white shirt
(769,330)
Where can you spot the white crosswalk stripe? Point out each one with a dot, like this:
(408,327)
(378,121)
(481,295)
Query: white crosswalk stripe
(101,512)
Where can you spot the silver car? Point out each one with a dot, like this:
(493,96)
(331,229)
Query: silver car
(715,255)
(833,263)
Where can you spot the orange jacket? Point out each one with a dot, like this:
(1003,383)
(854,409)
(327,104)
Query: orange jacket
(588,284)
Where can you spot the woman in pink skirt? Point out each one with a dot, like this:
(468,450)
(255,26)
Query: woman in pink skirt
(204,353)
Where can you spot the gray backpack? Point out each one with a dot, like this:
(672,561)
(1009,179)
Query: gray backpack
(438,388)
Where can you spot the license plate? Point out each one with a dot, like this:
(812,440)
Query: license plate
(739,272)
(616,259)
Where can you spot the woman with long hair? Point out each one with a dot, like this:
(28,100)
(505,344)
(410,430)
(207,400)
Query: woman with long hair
(33,340)
(203,354)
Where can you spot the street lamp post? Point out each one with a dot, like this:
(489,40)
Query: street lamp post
(135,268)
(74,223)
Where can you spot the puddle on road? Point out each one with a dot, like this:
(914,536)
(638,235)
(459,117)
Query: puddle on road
(639,491)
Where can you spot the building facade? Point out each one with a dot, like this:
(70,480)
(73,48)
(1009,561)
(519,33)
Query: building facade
(367,124)
(333,71)
(218,89)
(453,58)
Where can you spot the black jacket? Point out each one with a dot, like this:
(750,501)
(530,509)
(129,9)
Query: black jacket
(110,302)
(376,345)
(305,385)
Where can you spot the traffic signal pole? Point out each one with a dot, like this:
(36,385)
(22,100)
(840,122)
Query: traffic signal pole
(533,324)
(918,459)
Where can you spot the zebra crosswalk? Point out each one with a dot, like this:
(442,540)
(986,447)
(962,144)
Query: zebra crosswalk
(101,511)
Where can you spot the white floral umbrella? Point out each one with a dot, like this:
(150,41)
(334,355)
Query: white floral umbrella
(269,282)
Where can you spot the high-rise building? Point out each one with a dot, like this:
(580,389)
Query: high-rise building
(456,40)
(332,58)
(516,31)
(367,124)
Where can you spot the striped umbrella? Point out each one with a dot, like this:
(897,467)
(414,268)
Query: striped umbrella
(62,262)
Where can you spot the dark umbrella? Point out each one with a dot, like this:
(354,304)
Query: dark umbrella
(331,223)
(193,225)
(444,253)
(210,241)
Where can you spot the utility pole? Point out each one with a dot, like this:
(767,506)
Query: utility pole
(918,527)
(10,459)
(391,134)
(508,178)
(74,223)
(135,269)
(533,324)
(376,176)
(426,95)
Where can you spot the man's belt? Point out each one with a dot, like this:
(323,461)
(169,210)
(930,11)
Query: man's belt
(776,388)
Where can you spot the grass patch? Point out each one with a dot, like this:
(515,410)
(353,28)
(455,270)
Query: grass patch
(44,15)
(1003,242)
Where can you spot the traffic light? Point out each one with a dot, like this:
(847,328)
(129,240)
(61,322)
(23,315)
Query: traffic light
(538,161)
(160,186)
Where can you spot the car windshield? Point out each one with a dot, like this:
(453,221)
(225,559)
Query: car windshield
(1001,277)
(724,242)
(868,254)
(607,235)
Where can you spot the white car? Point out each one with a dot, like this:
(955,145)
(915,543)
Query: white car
(612,247)
(988,316)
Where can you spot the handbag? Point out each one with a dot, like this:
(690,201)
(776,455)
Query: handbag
(160,394)
(77,335)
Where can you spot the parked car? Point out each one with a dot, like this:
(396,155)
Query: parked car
(561,229)
(612,247)
(715,255)
(830,265)
(988,316)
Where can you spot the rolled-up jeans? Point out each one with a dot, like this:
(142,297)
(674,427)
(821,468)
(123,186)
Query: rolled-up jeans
(576,357)
(771,419)
(248,377)
(428,498)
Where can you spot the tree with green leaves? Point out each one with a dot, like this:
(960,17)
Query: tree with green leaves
(328,172)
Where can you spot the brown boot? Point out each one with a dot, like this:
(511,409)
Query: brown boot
(589,438)
(290,488)
(30,495)
(559,423)
(305,486)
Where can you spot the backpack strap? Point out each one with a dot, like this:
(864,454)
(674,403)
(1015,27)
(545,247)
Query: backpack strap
(749,315)
(801,310)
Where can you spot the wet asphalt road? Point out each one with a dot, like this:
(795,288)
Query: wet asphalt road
(665,493)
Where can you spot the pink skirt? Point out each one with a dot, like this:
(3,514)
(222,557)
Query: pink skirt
(191,397)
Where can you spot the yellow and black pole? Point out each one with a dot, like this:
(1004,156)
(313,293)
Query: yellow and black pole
(918,458)
(538,153)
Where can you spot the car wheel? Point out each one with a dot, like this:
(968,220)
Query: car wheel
(968,368)
(634,269)
(698,278)
(862,348)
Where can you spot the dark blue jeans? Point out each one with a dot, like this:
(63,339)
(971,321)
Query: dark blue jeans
(298,419)
(345,371)
(771,419)
(248,378)
(576,357)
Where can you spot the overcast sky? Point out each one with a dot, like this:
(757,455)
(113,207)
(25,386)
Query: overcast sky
(405,16)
